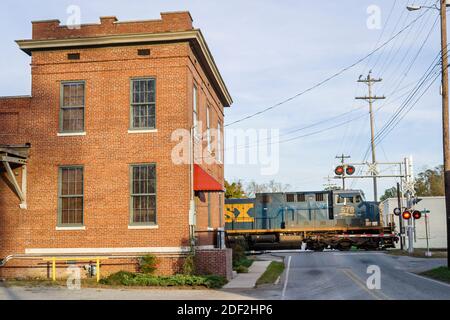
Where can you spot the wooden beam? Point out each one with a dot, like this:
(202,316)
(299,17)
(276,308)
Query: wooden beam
(7,158)
(13,180)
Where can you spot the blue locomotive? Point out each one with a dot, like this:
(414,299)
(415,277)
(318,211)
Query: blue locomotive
(337,219)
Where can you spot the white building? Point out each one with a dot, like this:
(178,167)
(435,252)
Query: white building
(437,230)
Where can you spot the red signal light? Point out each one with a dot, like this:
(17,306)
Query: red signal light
(417,214)
(406,215)
(350,170)
(339,170)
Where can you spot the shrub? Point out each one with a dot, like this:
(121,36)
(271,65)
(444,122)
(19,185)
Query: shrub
(189,263)
(148,264)
(241,269)
(238,251)
(141,279)
(118,278)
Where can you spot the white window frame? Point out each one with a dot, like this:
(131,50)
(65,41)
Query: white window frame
(208,131)
(195,111)
(219,142)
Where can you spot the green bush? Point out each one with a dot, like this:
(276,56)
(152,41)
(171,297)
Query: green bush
(148,264)
(189,264)
(179,280)
(239,251)
(241,269)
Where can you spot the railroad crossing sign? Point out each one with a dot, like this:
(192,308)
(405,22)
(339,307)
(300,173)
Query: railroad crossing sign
(372,169)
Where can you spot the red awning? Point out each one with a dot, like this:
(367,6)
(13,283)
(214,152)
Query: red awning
(204,182)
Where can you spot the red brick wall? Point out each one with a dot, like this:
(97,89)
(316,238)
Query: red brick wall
(217,261)
(169,22)
(107,149)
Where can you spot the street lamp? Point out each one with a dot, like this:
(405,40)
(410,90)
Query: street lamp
(445,112)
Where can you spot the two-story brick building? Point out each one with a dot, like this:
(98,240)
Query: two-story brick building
(101,174)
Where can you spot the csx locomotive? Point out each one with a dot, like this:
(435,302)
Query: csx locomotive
(337,219)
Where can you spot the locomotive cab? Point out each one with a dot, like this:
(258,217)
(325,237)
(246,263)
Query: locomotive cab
(351,209)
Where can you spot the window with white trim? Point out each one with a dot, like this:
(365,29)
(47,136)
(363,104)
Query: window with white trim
(143,194)
(70,196)
(208,131)
(71,118)
(143,104)
(219,142)
(195,111)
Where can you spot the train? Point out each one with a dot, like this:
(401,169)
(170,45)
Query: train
(312,220)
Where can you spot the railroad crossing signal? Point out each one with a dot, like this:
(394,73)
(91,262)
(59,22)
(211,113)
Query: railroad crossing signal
(406,215)
(350,170)
(397,211)
(417,214)
(347,169)
(339,170)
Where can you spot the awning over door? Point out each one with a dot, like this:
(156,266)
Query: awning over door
(204,182)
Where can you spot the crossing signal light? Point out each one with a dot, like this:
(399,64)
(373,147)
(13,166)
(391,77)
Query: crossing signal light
(406,215)
(417,214)
(397,211)
(350,170)
(339,170)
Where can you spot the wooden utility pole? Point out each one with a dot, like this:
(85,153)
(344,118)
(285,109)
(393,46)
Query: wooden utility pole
(370,81)
(445,129)
(342,157)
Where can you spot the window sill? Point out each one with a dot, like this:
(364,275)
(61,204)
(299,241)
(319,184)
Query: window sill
(70,228)
(71,134)
(142,130)
(153,226)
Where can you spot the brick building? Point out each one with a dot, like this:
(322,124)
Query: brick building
(97,161)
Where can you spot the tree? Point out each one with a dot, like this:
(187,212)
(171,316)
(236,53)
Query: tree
(272,186)
(389,193)
(332,187)
(234,190)
(429,182)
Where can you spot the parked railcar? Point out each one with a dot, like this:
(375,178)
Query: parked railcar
(337,219)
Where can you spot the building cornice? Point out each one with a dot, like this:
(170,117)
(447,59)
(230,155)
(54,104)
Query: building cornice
(194,36)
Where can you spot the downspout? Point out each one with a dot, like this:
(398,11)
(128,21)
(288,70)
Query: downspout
(192,213)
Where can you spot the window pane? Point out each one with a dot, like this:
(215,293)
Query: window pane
(72,119)
(73,95)
(143,196)
(71,194)
(144,116)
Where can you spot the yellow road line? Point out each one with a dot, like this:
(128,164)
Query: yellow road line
(378,295)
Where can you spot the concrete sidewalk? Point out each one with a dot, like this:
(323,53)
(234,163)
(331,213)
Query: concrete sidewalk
(248,280)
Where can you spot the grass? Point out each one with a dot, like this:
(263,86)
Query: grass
(440,273)
(419,253)
(271,274)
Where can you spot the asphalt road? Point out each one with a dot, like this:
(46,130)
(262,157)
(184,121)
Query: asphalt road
(343,275)
(309,275)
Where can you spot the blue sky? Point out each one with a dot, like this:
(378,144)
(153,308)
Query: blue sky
(268,51)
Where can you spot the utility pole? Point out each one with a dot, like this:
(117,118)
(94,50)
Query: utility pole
(409,203)
(370,81)
(343,157)
(445,129)
(400,218)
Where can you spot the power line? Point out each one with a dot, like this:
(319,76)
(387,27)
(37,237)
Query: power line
(329,78)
